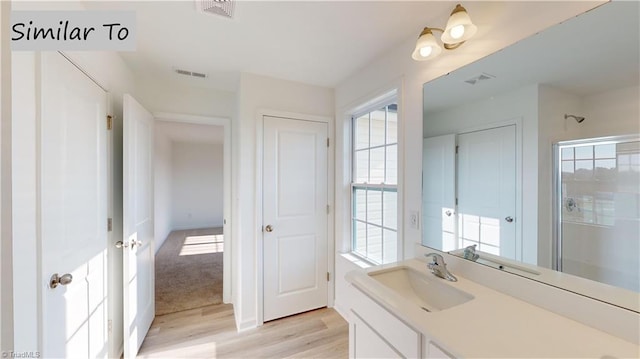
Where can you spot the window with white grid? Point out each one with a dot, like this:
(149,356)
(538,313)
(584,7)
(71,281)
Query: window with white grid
(374,184)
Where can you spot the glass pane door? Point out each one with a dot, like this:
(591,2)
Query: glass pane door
(598,190)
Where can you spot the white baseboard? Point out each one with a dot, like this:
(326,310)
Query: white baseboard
(195,226)
(344,312)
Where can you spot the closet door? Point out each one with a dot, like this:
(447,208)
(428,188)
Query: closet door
(487,190)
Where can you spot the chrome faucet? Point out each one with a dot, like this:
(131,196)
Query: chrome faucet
(470,253)
(439,267)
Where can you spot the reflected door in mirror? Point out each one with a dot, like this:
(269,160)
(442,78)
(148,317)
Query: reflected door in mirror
(487,190)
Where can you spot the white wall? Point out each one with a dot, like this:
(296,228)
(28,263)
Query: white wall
(257,93)
(162,188)
(611,113)
(177,97)
(6,250)
(397,65)
(553,105)
(196,185)
(519,104)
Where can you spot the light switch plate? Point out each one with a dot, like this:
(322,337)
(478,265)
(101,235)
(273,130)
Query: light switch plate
(414,219)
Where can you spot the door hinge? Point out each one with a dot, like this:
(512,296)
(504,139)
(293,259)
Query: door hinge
(328,209)
(327,276)
(327,141)
(110,326)
(457,148)
(109,122)
(456,201)
(109,224)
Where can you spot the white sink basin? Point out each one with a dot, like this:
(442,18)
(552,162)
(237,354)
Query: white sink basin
(425,290)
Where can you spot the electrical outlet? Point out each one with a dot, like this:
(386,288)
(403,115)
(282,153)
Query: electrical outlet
(414,219)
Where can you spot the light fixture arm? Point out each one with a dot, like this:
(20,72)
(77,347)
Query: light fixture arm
(446,46)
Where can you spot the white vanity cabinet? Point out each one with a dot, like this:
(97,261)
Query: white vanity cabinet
(400,311)
(376,333)
(435,352)
(364,342)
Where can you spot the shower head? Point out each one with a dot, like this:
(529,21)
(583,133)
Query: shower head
(578,119)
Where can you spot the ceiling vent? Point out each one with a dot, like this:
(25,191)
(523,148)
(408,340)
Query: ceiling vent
(190,73)
(482,77)
(216,7)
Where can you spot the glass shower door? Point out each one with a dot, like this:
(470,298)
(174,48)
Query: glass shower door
(598,210)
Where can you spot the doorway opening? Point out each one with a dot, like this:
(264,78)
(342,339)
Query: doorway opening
(190,208)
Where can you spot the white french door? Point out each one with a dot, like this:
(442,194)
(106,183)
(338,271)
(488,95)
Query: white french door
(71,197)
(294,216)
(137,245)
(486,177)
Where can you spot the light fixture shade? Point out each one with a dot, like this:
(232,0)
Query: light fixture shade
(459,27)
(426,47)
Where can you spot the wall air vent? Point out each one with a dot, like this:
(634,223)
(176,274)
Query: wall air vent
(482,77)
(216,7)
(190,73)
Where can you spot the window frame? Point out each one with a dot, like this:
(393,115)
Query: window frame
(381,187)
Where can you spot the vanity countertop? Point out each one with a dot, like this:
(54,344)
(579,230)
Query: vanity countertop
(494,324)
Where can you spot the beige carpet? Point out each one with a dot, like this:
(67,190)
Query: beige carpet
(189,270)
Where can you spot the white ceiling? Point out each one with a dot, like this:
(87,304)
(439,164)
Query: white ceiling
(191,133)
(590,54)
(314,42)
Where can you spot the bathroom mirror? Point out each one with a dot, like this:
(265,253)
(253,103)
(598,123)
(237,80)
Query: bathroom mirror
(522,150)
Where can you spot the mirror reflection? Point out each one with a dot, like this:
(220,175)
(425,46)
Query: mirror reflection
(597,209)
(531,157)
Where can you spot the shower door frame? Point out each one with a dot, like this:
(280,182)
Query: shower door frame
(557,201)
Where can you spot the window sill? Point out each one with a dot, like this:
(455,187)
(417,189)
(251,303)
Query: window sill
(357,260)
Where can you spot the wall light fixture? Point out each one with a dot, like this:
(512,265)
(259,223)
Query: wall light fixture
(458,30)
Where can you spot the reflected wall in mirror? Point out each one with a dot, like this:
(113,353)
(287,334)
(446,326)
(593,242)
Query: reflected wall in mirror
(488,155)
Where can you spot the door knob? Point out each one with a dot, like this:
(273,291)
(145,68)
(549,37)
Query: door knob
(268,228)
(135,242)
(509,219)
(60,280)
(448,213)
(120,244)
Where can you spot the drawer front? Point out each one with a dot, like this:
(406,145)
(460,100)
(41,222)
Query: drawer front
(402,337)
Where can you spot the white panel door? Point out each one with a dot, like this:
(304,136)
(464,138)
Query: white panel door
(138,258)
(72,201)
(439,192)
(487,190)
(294,216)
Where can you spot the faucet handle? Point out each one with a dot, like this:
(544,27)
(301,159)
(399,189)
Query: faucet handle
(437,258)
